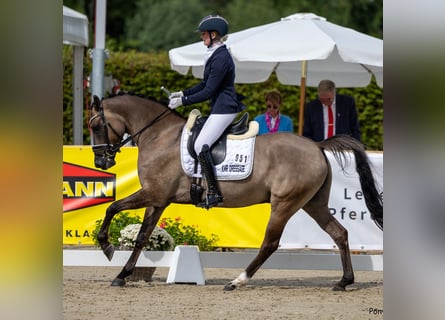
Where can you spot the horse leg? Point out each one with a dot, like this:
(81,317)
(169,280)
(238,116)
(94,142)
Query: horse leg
(340,236)
(151,217)
(274,229)
(102,236)
(134,201)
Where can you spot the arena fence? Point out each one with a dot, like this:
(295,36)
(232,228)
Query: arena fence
(186,263)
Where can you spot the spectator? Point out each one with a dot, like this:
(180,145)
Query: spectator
(320,122)
(272,120)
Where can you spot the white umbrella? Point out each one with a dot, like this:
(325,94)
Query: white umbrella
(302,43)
(75,28)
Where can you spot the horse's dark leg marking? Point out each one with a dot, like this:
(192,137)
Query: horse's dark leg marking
(318,209)
(102,236)
(151,217)
(134,201)
(340,236)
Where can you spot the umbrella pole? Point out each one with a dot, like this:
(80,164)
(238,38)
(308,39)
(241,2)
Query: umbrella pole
(302,97)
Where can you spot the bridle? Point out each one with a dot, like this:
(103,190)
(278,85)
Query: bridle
(105,152)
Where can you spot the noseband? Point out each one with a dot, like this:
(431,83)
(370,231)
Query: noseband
(106,152)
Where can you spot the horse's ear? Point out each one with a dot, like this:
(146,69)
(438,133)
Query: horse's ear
(95,104)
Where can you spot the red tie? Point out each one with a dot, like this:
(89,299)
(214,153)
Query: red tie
(330,122)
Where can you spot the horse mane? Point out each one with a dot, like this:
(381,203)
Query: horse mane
(163,102)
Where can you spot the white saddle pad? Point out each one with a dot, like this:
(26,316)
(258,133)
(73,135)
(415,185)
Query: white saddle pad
(237,165)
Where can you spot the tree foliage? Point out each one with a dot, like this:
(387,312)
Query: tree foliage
(157,23)
(148,25)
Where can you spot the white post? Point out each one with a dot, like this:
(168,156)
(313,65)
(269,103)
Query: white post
(97,79)
(78,95)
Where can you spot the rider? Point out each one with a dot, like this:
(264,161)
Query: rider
(218,86)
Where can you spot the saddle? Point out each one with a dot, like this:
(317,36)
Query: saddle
(218,149)
(232,153)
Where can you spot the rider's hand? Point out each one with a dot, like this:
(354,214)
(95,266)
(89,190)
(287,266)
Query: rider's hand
(175,102)
(177,94)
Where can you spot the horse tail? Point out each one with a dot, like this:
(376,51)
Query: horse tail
(340,144)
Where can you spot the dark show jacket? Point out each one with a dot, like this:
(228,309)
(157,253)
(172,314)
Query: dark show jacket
(346,119)
(217,85)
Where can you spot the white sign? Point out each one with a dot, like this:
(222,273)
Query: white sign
(347,205)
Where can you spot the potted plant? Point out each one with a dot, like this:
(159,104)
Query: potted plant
(160,239)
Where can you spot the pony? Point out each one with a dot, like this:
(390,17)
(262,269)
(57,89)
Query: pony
(290,172)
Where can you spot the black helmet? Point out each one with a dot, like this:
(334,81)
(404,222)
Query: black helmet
(214,23)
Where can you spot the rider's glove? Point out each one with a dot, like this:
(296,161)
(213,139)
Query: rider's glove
(177,94)
(175,102)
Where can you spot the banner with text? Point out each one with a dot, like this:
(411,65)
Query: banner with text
(87,192)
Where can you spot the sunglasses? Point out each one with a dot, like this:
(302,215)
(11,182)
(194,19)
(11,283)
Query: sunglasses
(272,107)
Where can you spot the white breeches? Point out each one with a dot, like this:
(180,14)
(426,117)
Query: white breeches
(212,129)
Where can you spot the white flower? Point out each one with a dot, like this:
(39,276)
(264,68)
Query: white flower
(160,240)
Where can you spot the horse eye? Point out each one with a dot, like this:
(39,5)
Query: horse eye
(96,129)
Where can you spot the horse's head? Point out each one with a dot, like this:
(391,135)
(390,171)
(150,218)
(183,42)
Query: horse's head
(106,140)
(111,118)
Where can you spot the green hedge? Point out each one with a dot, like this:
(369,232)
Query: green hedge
(145,73)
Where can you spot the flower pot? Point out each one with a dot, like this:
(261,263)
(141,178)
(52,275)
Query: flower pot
(142,273)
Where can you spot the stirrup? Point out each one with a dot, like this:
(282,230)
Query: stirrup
(211,200)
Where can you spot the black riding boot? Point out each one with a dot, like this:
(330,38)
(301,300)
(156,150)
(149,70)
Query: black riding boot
(213,194)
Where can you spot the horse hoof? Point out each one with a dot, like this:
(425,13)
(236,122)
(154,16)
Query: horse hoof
(109,251)
(341,285)
(229,287)
(118,282)
(338,288)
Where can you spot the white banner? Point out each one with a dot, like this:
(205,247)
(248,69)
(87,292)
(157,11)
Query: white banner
(347,205)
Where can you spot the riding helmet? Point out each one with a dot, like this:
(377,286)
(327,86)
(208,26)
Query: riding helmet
(214,23)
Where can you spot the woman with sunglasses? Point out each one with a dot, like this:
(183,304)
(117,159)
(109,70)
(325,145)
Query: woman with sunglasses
(218,86)
(272,120)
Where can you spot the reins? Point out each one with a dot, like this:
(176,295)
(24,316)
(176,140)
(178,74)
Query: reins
(130,137)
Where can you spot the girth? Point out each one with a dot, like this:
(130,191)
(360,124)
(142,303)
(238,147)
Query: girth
(218,149)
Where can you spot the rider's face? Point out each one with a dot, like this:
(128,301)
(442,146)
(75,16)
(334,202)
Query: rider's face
(206,38)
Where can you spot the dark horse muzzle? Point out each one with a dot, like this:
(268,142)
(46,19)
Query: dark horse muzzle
(104,156)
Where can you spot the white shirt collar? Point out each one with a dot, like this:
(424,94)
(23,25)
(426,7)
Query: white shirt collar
(211,50)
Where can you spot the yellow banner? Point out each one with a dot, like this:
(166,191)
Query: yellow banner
(87,192)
